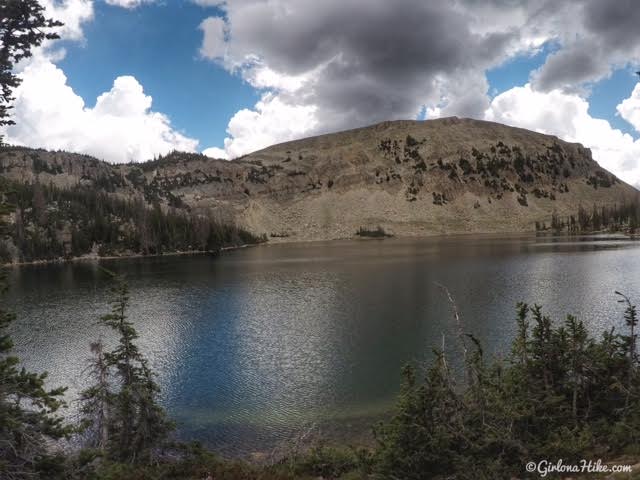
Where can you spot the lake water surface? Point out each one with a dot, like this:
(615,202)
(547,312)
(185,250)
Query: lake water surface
(257,344)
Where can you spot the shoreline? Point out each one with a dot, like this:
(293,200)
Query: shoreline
(92,258)
(278,241)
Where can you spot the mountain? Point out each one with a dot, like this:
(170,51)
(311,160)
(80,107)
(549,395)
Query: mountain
(448,175)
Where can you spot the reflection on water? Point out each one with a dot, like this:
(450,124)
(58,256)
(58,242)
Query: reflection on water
(253,345)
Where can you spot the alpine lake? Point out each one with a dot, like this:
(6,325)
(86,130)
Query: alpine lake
(258,344)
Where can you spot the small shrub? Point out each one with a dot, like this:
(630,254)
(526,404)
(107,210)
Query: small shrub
(378,232)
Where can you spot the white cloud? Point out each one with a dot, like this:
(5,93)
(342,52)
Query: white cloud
(566,115)
(129,4)
(272,120)
(73,13)
(125,98)
(629,109)
(280,115)
(120,128)
(215,152)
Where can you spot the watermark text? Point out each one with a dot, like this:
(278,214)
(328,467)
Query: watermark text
(547,467)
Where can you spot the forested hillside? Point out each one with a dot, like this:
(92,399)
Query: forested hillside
(49,223)
(623,217)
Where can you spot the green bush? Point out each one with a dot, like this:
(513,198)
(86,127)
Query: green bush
(561,394)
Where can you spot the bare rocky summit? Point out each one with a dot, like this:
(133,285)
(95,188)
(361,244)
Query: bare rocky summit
(409,177)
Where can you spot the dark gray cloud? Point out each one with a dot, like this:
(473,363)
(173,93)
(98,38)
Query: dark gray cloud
(599,35)
(356,62)
(570,67)
(614,23)
(373,59)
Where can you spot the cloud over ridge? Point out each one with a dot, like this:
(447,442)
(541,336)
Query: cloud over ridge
(120,127)
(327,66)
(349,63)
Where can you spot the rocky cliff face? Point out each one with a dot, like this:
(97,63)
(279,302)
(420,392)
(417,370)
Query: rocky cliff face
(409,177)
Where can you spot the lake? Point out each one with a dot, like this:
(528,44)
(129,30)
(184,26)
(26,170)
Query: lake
(256,345)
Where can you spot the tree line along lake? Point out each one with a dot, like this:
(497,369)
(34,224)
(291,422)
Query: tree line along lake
(255,345)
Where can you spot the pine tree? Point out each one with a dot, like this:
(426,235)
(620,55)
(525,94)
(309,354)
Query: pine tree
(28,411)
(422,439)
(96,401)
(561,394)
(578,343)
(121,407)
(631,320)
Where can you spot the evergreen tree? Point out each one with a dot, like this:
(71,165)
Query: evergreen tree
(619,217)
(421,439)
(631,321)
(28,411)
(561,394)
(121,408)
(96,401)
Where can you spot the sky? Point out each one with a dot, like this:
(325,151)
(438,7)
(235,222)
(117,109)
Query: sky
(130,80)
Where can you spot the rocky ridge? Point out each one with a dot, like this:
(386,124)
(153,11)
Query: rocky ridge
(409,177)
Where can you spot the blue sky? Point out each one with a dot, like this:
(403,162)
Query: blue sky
(148,43)
(132,79)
